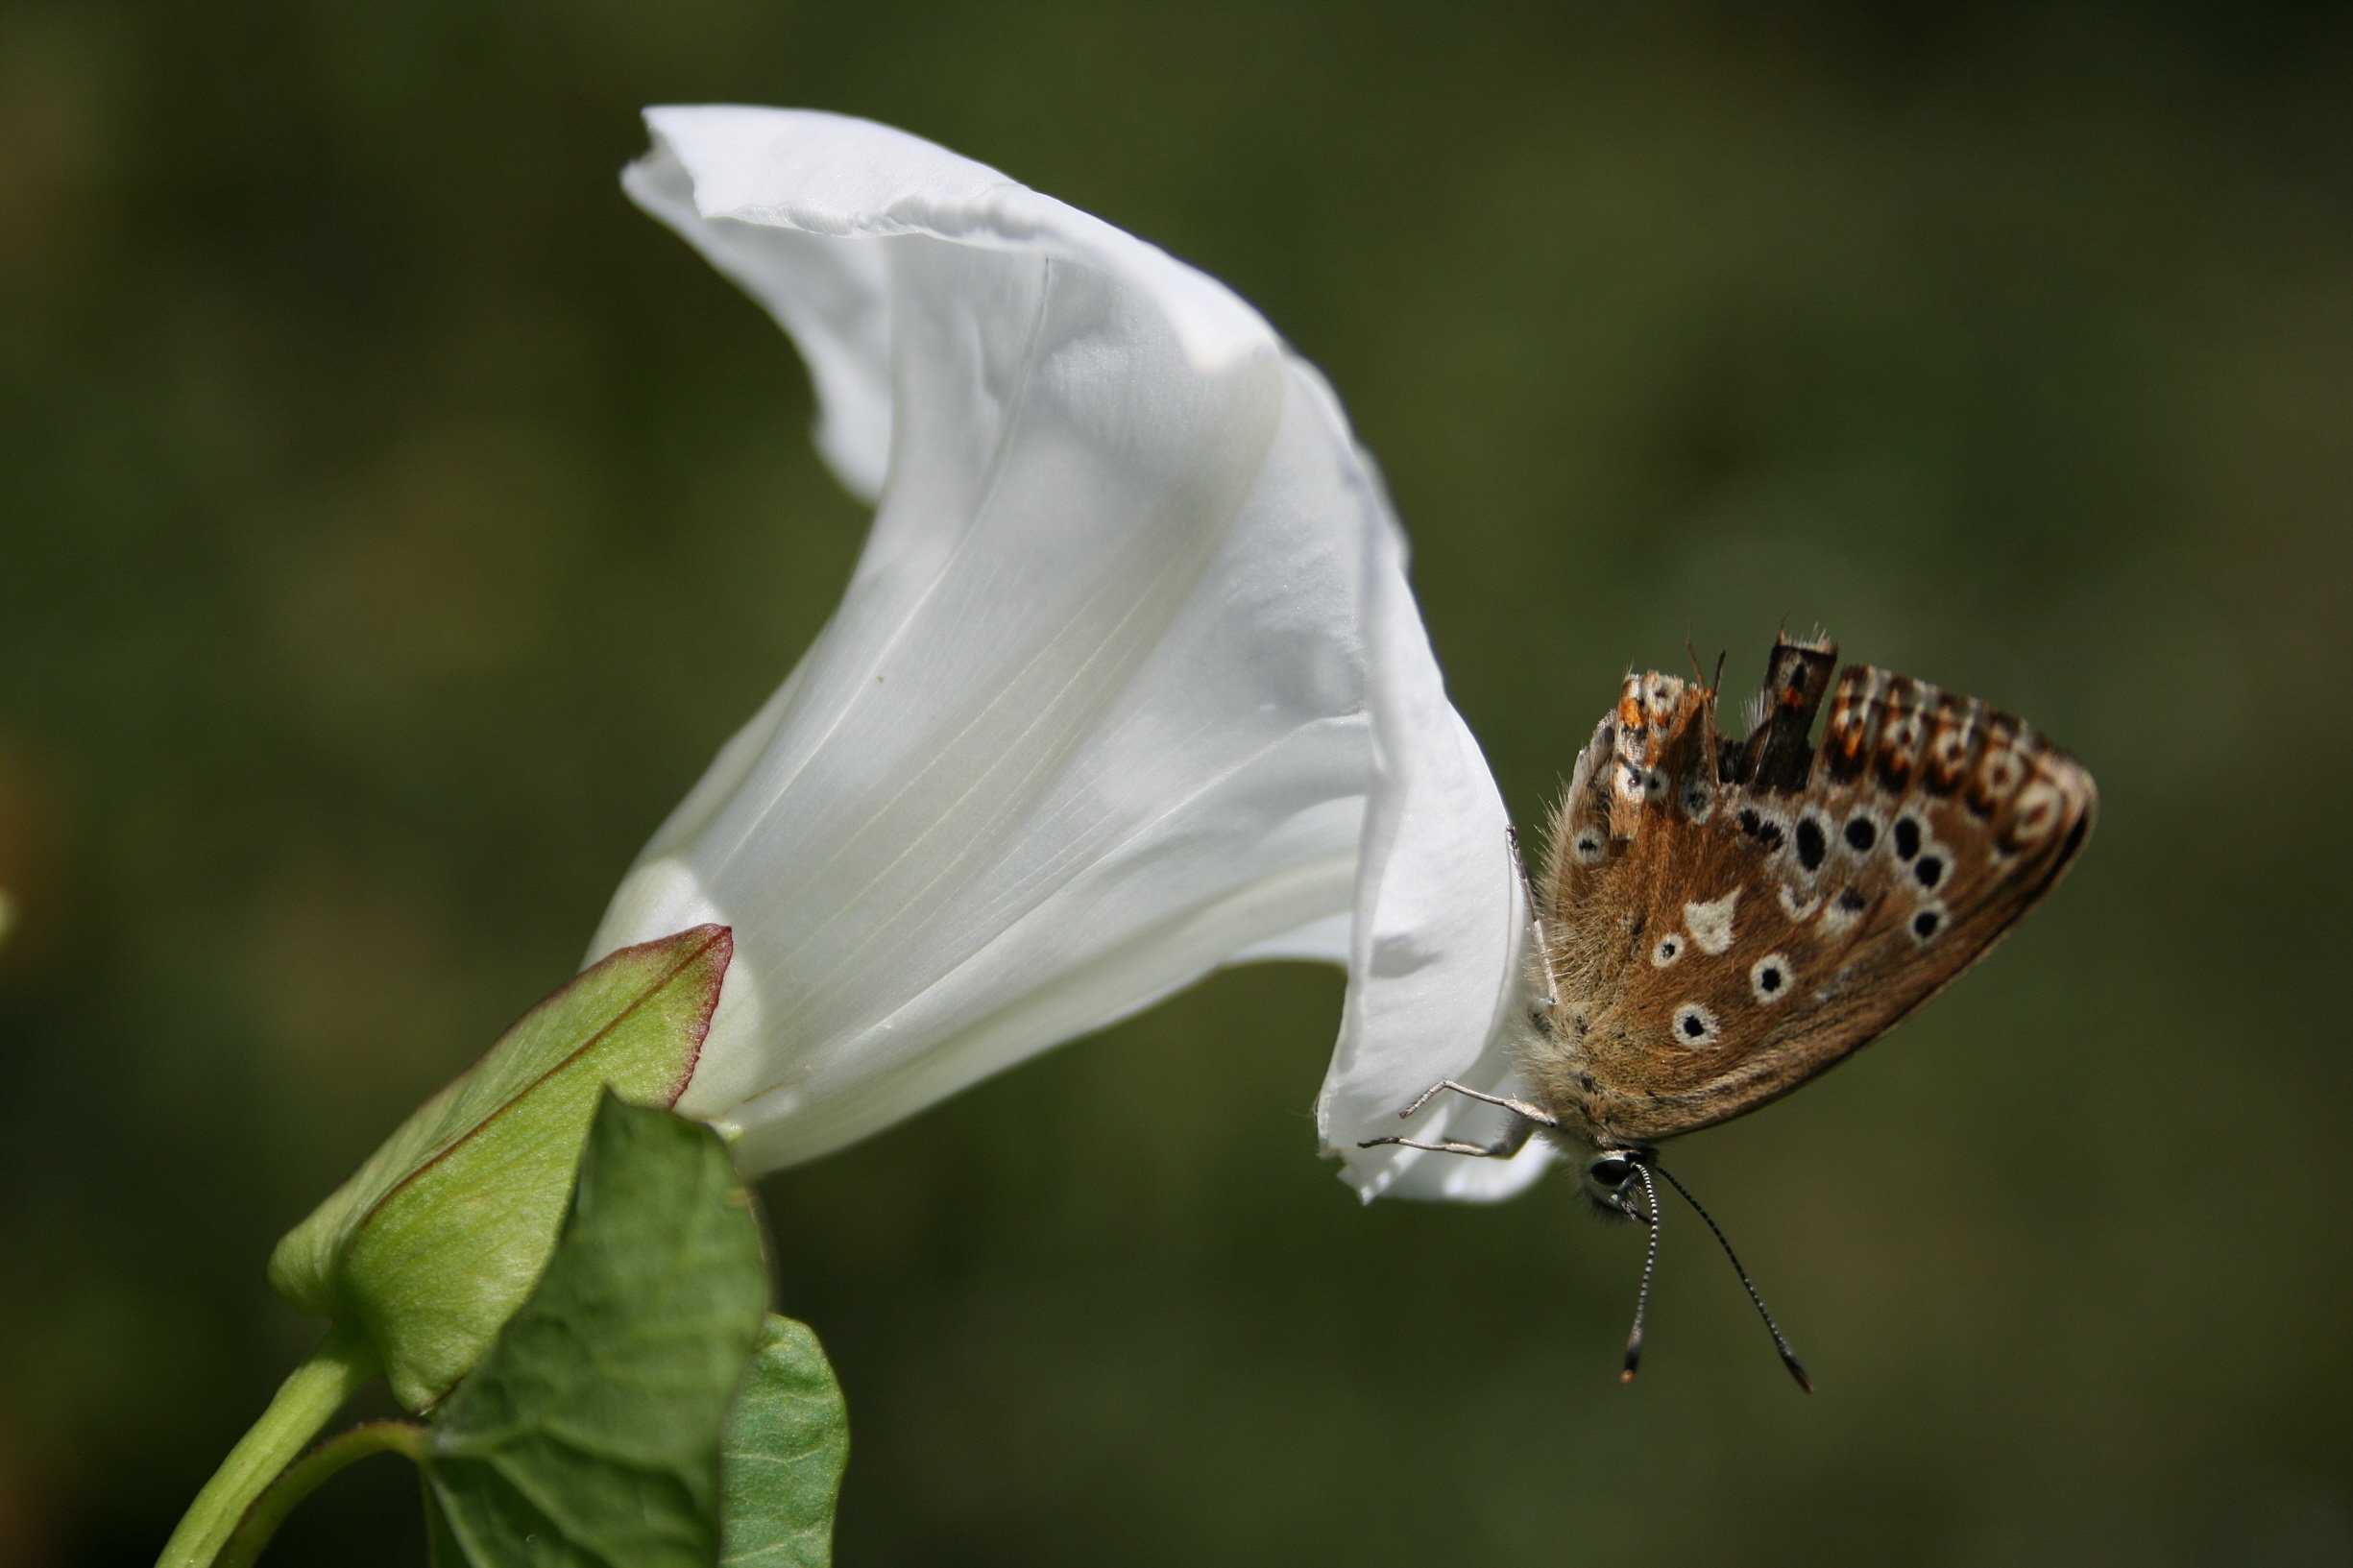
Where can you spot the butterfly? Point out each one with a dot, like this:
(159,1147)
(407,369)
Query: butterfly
(1718,921)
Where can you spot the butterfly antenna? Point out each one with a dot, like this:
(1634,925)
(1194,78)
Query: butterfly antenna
(1789,1357)
(1650,1269)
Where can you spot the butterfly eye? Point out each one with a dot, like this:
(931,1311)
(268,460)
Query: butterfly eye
(1611,1170)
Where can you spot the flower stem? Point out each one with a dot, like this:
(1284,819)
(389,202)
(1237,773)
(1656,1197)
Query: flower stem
(303,1477)
(305,1401)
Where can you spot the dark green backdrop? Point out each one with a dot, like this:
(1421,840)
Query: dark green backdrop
(395,522)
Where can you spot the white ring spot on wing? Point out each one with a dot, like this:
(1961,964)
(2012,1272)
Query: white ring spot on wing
(1661,694)
(1903,735)
(1864,829)
(1927,923)
(1845,909)
(1949,749)
(1768,977)
(1694,1026)
(1668,950)
(1999,773)
(1799,906)
(1710,924)
(1588,844)
(2038,810)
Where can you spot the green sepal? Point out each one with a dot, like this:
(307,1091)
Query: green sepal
(588,1435)
(787,1441)
(441,1234)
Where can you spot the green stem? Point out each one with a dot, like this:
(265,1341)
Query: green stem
(316,1391)
(303,1477)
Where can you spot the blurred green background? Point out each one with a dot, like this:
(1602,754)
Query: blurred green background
(395,521)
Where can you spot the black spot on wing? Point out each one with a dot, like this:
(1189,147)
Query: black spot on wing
(1813,846)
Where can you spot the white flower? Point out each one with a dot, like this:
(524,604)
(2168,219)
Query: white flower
(1128,684)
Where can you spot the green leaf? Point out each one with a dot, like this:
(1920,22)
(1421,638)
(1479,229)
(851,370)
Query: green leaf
(589,1435)
(780,1467)
(437,1238)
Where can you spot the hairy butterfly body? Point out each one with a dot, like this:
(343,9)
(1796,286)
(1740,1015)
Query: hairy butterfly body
(1717,921)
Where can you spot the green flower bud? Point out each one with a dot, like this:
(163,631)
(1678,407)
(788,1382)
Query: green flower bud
(437,1238)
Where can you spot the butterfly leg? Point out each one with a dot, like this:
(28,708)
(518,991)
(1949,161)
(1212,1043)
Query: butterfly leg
(1525,1119)
(1551,999)
(1513,1140)
(1518,1107)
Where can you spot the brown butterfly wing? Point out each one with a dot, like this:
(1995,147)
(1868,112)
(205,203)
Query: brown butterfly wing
(1725,920)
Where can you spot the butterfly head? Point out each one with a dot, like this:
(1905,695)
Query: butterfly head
(1612,1181)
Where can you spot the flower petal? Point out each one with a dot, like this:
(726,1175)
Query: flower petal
(1092,718)
(1436,986)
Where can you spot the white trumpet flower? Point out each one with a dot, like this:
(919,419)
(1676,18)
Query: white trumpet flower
(1128,684)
